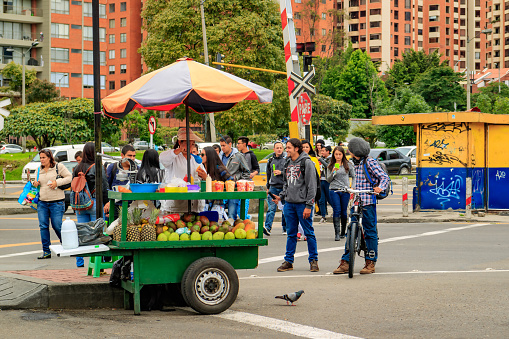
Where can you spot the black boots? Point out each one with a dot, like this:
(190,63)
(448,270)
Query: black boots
(343,227)
(336,223)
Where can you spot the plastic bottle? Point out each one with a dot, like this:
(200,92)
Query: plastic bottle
(208,184)
(69,234)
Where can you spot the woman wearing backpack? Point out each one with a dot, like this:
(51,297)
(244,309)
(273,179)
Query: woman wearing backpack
(87,165)
(51,203)
(338,174)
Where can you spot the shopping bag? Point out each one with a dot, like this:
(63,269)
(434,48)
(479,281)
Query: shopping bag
(30,194)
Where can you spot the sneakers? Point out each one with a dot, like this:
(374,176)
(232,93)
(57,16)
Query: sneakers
(342,268)
(284,233)
(285,266)
(46,255)
(313,266)
(323,220)
(266,231)
(369,267)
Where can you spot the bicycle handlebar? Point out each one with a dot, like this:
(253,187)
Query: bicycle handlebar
(349,190)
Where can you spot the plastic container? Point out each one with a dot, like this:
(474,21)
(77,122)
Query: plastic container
(193,188)
(176,189)
(69,234)
(143,188)
(208,183)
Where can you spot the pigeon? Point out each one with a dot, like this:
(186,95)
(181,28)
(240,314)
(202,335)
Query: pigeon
(290,297)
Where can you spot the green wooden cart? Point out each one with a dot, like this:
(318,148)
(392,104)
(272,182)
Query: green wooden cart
(204,268)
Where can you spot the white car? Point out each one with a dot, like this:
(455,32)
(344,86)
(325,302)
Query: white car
(60,153)
(10,148)
(107,148)
(411,152)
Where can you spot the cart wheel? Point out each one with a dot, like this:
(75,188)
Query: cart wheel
(210,285)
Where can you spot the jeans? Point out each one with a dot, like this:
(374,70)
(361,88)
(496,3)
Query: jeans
(246,215)
(269,217)
(293,215)
(232,208)
(46,211)
(84,217)
(339,202)
(324,197)
(370,233)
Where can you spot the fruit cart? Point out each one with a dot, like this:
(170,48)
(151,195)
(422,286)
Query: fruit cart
(205,268)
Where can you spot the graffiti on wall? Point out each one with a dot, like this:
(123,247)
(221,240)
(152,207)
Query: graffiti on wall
(444,145)
(447,127)
(443,188)
(440,158)
(446,190)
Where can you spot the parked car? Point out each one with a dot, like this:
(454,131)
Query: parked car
(253,145)
(107,148)
(270,144)
(261,178)
(395,162)
(10,148)
(411,152)
(202,145)
(140,145)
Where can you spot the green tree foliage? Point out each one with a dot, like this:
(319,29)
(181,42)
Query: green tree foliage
(501,106)
(488,96)
(484,103)
(404,102)
(331,118)
(411,65)
(367,132)
(440,87)
(14,72)
(42,91)
(66,121)
(358,84)
(133,124)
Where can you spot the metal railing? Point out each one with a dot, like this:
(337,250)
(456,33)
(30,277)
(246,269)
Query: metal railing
(21,10)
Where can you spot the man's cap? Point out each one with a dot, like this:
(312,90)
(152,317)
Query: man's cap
(359,147)
(181,135)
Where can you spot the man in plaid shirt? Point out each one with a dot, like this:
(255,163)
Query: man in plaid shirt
(359,149)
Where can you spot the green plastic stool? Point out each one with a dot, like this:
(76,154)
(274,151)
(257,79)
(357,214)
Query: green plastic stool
(95,264)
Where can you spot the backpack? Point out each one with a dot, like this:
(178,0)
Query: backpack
(388,190)
(81,198)
(318,193)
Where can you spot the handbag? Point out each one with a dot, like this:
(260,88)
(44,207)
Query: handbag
(30,194)
(64,186)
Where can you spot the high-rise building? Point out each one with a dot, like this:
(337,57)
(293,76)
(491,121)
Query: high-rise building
(64,54)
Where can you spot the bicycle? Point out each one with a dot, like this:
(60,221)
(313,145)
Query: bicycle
(355,242)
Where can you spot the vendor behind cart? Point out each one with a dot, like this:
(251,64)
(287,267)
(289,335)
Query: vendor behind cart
(175,163)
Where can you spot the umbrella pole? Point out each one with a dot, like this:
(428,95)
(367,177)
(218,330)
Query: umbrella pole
(188,153)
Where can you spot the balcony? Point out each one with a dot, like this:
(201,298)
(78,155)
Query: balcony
(22,14)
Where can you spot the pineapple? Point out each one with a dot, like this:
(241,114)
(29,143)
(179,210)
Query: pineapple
(117,231)
(133,233)
(148,231)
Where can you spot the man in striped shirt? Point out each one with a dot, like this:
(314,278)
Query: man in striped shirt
(359,149)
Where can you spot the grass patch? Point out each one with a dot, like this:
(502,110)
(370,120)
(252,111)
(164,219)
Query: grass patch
(260,154)
(14,163)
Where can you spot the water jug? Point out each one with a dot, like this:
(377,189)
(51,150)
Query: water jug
(69,234)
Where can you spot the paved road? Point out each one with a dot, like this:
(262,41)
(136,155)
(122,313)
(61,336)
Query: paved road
(440,280)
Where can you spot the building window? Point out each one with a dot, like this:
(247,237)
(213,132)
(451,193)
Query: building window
(375,24)
(298,1)
(296,16)
(433,18)
(75,26)
(375,11)
(396,15)
(324,16)
(60,55)
(396,51)
(407,41)
(324,32)
(57,6)
(88,81)
(112,38)
(433,40)
(362,25)
(122,83)
(312,32)
(123,37)
(396,39)
(408,28)
(123,6)
(396,27)
(112,69)
(76,50)
(377,36)
(87,9)
(477,55)
(297,31)
(123,22)
(353,27)
(112,23)
(433,8)
(408,3)
(88,35)
(123,53)
(60,79)
(123,69)
(60,31)
(75,75)
(88,58)
(434,29)
(112,8)
(374,49)
(408,16)
(112,84)
(324,48)
(111,54)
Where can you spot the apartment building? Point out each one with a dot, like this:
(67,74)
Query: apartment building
(64,54)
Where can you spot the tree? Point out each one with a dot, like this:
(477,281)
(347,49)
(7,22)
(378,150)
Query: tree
(14,72)
(488,95)
(331,118)
(411,65)
(404,102)
(501,106)
(358,84)
(366,131)
(133,124)
(440,87)
(484,103)
(42,91)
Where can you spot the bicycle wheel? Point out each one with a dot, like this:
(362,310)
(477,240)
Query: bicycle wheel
(352,251)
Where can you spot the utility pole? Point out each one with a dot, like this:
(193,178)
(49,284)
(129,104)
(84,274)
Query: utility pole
(212,127)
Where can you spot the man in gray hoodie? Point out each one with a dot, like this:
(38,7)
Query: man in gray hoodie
(299,192)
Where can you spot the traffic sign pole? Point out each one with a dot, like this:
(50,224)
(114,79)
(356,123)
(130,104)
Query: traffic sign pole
(152,129)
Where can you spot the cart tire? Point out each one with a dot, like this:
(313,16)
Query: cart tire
(210,285)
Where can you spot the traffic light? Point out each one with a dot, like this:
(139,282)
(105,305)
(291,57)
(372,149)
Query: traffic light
(219,58)
(308,61)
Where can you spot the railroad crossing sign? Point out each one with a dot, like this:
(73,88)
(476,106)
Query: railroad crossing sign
(4,113)
(302,84)
(304,108)
(152,125)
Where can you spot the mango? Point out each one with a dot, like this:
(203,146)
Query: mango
(229,236)
(184,236)
(251,234)
(240,234)
(195,236)
(206,236)
(162,237)
(174,237)
(204,229)
(204,220)
(218,236)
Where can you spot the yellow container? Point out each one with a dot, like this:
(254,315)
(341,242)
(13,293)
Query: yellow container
(175,189)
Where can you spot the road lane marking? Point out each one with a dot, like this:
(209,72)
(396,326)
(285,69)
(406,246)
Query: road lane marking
(19,254)
(281,325)
(6,218)
(19,229)
(404,237)
(25,244)
(329,274)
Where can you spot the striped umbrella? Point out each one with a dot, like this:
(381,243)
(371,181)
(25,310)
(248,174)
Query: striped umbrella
(202,88)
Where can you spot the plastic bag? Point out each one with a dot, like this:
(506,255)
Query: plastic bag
(29,196)
(115,273)
(91,233)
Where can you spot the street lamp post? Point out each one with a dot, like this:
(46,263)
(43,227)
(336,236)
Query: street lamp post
(484,31)
(59,84)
